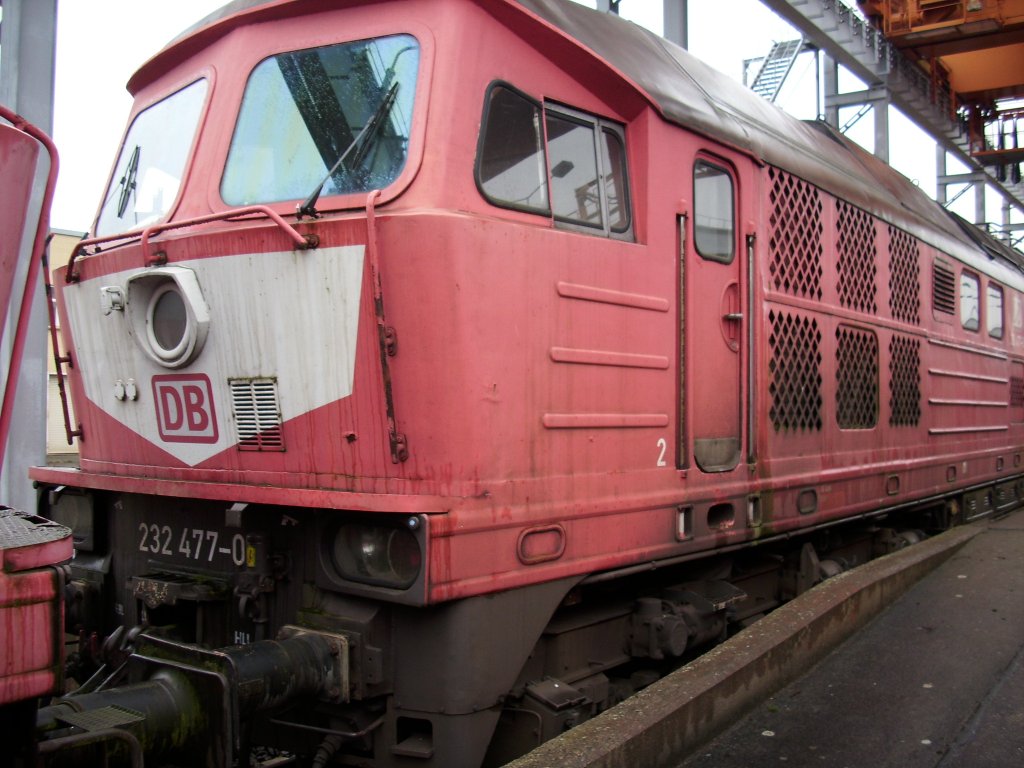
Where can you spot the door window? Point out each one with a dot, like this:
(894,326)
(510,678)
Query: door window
(713,213)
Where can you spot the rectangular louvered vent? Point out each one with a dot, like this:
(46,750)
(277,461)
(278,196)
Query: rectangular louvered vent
(257,414)
(943,293)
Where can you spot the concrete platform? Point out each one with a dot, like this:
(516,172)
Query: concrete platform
(961,636)
(936,680)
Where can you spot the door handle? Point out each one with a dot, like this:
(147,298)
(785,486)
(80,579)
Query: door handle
(731,316)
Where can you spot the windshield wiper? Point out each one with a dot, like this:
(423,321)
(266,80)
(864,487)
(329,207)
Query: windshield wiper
(127,182)
(308,208)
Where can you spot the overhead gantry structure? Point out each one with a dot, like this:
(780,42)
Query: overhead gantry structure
(954,67)
(951,66)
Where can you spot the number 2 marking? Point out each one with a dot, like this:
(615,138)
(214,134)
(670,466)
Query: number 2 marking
(663,445)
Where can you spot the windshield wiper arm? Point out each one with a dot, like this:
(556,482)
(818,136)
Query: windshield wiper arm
(127,183)
(308,208)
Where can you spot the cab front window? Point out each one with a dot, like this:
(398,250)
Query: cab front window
(339,114)
(152,162)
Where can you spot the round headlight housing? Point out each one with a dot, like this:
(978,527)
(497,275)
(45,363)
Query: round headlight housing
(167,315)
(167,322)
(376,554)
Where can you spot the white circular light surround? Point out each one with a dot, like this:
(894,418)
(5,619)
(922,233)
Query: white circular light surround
(167,315)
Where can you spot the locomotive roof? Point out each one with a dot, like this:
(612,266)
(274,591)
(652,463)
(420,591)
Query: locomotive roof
(689,93)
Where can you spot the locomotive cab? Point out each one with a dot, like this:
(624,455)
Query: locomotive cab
(296,380)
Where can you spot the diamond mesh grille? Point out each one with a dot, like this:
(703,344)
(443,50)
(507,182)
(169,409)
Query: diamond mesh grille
(257,414)
(904,277)
(856,245)
(795,369)
(856,378)
(904,381)
(18,529)
(1016,392)
(794,240)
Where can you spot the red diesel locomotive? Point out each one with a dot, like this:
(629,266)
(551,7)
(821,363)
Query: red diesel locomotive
(445,370)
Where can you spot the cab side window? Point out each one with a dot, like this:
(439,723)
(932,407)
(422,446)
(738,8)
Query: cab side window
(511,165)
(970,303)
(615,186)
(554,160)
(574,176)
(994,311)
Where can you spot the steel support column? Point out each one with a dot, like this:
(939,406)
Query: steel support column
(831,81)
(27,43)
(877,97)
(674,16)
(976,180)
(881,110)
(676,13)
(979,203)
(940,173)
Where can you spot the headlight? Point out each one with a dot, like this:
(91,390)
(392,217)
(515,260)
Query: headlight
(375,554)
(73,509)
(167,322)
(167,315)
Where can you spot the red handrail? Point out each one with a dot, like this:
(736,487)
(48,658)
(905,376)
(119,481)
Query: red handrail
(301,241)
(38,247)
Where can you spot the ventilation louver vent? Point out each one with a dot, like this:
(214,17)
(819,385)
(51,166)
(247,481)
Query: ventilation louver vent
(904,277)
(794,241)
(856,245)
(856,378)
(257,414)
(943,288)
(795,369)
(904,381)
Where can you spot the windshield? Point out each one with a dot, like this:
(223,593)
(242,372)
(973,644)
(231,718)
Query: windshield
(342,112)
(151,163)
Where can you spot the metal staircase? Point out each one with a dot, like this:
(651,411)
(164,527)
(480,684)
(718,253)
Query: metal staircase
(776,68)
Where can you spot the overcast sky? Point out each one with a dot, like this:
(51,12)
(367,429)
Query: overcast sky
(94,64)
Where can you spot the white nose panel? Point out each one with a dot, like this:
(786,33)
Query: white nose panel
(273,317)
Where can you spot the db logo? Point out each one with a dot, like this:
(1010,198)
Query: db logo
(184,408)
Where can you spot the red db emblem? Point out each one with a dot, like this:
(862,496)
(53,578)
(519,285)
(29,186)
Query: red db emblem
(184,408)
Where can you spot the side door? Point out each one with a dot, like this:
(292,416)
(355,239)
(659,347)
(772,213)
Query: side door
(715,318)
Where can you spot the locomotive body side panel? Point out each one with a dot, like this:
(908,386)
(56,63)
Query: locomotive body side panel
(538,376)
